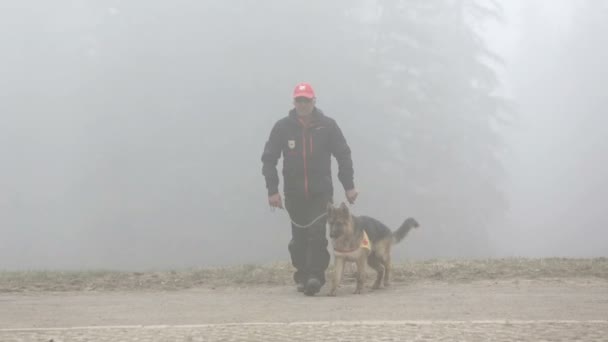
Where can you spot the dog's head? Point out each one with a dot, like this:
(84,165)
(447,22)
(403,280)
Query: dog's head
(339,220)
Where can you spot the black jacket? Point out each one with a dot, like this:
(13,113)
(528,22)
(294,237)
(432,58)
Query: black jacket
(306,156)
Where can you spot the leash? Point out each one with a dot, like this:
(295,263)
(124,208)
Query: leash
(307,225)
(272,209)
(300,225)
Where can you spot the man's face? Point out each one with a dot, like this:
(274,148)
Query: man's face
(304,105)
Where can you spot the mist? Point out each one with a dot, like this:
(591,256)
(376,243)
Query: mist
(557,156)
(131,132)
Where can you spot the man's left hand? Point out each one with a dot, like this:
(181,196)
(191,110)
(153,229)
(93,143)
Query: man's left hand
(351,195)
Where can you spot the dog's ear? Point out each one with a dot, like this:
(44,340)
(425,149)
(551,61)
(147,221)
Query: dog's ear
(330,209)
(344,209)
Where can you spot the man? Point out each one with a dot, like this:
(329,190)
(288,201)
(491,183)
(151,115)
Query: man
(307,139)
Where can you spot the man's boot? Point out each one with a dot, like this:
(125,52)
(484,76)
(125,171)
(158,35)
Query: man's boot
(313,285)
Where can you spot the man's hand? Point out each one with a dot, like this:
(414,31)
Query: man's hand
(351,195)
(275,201)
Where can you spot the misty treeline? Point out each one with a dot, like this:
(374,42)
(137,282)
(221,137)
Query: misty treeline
(559,82)
(136,127)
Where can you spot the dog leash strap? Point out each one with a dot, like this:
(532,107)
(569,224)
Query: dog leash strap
(308,225)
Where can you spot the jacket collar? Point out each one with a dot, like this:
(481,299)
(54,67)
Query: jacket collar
(317,114)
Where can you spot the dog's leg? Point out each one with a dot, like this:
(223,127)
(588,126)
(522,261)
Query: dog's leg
(375,263)
(387,268)
(338,270)
(361,261)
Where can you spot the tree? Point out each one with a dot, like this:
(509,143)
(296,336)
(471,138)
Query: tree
(437,94)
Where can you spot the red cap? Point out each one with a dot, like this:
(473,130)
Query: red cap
(304,90)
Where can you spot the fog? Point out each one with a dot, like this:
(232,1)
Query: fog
(131,131)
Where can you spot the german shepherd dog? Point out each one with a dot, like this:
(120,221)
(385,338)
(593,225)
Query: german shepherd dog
(362,240)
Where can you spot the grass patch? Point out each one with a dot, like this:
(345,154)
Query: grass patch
(277,274)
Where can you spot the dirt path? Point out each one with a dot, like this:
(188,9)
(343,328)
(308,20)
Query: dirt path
(569,310)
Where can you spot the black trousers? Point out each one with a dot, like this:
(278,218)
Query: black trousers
(308,246)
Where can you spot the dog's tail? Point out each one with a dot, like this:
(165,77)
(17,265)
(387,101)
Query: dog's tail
(405,228)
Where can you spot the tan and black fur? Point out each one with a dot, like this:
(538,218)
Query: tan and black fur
(347,233)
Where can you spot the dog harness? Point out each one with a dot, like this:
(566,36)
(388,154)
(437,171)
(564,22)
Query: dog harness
(364,244)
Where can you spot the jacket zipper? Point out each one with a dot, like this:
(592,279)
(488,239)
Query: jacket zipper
(305,164)
(310,143)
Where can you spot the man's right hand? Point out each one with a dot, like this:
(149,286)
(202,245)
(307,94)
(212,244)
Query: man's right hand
(351,195)
(275,201)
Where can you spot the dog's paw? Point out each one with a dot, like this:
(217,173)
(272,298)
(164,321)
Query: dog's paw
(331,293)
